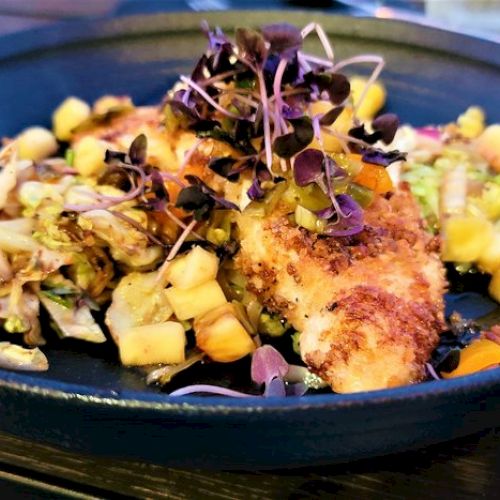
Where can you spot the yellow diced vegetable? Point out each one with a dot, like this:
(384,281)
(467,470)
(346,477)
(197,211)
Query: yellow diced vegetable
(471,123)
(374,99)
(494,288)
(489,260)
(36,143)
(89,156)
(465,238)
(69,115)
(342,125)
(192,302)
(153,344)
(488,146)
(108,102)
(193,269)
(477,356)
(220,335)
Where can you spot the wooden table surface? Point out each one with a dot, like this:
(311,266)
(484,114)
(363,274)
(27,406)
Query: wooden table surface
(465,468)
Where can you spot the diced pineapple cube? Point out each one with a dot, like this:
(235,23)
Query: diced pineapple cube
(192,302)
(152,344)
(89,156)
(465,238)
(109,102)
(494,287)
(193,269)
(70,113)
(220,335)
(489,260)
(471,123)
(374,99)
(342,125)
(36,143)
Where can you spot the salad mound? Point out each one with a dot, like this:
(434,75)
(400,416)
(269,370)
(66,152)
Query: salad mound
(137,214)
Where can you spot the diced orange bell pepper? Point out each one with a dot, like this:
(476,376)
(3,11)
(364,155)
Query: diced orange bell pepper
(477,356)
(374,177)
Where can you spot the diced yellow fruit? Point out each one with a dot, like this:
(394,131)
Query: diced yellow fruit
(471,123)
(342,125)
(192,302)
(108,102)
(36,143)
(70,113)
(220,335)
(465,238)
(374,99)
(494,287)
(152,344)
(193,269)
(489,260)
(89,156)
(477,356)
(488,146)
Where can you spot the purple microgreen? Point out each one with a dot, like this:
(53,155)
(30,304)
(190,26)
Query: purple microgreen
(275,388)
(361,134)
(262,173)
(387,125)
(138,149)
(216,38)
(288,145)
(308,167)
(201,199)
(329,118)
(267,364)
(114,156)
(291,112)
(284,39)
(336,85)
(252,47)
(383,158)
(255,191)
(349,217)
(223,166)
(199,72)
(210,389)
(183,112)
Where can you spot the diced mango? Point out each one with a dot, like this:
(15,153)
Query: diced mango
(477,356)
(489,260)
(36,143)
(220,335)
(374,177)
(465,238)
(374,99)
(342,125)
(109,102)
(471,123)
(193,269)
(70,113)
(192,302)
(152,344)
(89,156)
(494,288)
(488,146)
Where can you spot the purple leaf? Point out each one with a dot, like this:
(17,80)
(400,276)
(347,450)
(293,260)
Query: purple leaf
(138,149)
(308,167)
(360,133)
(329,118)
(275,388)
(267,364)
(252,46)
(387,125)
(339,88)
(288,145)
(285,39)
(255,191)
(223,166)
(383,158)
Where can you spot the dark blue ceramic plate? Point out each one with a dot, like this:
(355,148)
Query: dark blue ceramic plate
(88,403)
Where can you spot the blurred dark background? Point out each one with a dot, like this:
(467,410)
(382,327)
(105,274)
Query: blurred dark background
(479,17)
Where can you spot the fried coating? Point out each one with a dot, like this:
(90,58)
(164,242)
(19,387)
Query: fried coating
(369,307)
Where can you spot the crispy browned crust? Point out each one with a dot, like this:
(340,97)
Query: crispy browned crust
(356,300)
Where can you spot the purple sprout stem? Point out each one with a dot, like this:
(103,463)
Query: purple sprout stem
(323,38)
(278,105)
(207,98)
(266,120)
(211,389)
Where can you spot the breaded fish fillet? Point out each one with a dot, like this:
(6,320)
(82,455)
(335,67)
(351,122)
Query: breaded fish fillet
(369,307)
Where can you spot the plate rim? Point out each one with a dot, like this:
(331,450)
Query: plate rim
(64,35)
